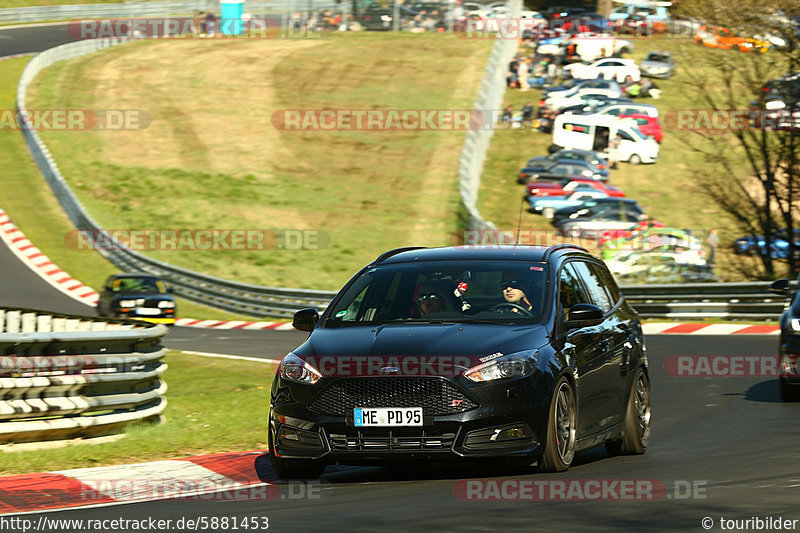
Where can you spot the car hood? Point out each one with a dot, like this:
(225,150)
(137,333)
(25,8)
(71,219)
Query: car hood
(450,339)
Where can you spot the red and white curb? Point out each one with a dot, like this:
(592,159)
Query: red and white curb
(222,476)
(32,257)
(665,328)
(41,264)
(233,324)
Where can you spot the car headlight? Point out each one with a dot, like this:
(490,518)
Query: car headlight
(127,303)
(774,104)
(514,365)
(795,324)
(294,369)
(166,304)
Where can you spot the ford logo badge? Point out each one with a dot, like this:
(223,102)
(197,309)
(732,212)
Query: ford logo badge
(390,370)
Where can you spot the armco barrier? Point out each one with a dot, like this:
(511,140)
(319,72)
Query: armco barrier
(736,301)
(69,376)
(476,141)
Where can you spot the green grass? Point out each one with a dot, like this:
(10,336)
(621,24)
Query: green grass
(214,405)
(669,190)
(211,157)
(47,226)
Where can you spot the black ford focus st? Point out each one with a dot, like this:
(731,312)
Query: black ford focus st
(465,353)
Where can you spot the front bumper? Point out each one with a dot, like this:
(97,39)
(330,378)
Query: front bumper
(509,420)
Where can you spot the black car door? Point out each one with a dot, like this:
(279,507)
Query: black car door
(585,353)
(603,367)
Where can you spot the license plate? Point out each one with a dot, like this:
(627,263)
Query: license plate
(387,416)
(148,311)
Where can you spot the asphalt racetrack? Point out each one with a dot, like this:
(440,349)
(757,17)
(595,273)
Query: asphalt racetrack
(722,448)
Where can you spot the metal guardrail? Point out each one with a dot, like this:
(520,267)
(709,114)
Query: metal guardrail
(67,376)
(735,301)
(476,141)
(149,9)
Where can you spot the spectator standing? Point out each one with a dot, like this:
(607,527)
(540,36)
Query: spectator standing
(512,78)
(211,23)
(522,75)
(527,114)
(508,114)
(713,241)
(613,151)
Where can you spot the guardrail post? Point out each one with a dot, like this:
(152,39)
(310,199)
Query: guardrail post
(28,322)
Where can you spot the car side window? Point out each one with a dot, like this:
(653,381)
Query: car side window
(570,289)
(612,111)
(597,294)
(608,282)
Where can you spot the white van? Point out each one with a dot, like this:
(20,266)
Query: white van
(595,132)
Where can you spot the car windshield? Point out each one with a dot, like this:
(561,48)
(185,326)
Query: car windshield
(444,291)
(657,57)
(138,285)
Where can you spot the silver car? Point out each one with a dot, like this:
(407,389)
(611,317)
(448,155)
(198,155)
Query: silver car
(658,65)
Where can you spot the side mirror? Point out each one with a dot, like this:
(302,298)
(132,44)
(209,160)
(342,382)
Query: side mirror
(305,319)
(170,290)
(780,286)
(584,315)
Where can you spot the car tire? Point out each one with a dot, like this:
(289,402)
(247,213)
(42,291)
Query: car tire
(559,445)
(789,392)
(635,160)
(553,148)
(637,419)
(293,468)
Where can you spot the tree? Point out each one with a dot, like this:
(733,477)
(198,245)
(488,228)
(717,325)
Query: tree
(604,7)
(758,155)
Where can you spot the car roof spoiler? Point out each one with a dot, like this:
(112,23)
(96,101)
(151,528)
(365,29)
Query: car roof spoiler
(386,255)
(563,246)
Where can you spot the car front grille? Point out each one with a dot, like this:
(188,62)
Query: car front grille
(392,440)
(435,396)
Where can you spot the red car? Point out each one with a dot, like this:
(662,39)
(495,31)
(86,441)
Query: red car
(647,125)
(563,187)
